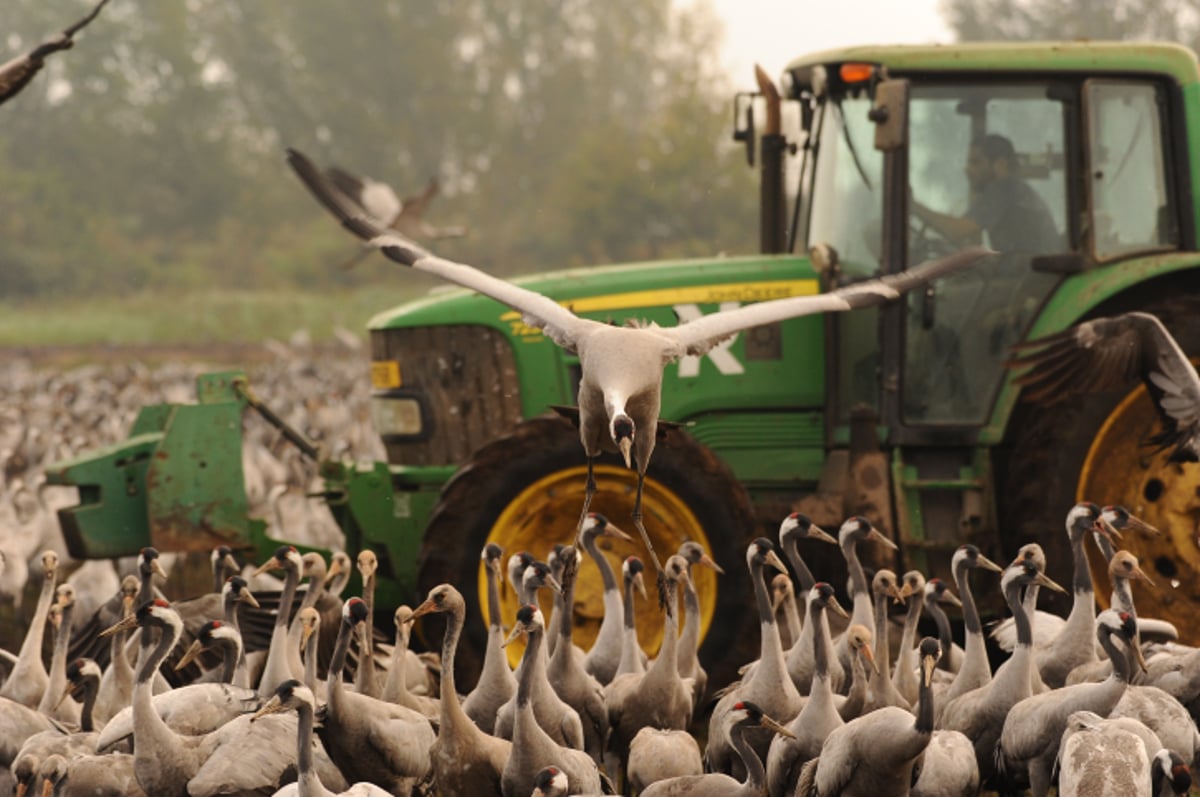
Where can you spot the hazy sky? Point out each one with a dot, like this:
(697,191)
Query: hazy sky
(772,32)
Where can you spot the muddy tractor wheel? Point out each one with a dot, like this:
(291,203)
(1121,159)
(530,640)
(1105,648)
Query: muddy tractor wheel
(525,491)
(1091,450)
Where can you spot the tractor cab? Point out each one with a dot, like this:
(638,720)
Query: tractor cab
(901,154)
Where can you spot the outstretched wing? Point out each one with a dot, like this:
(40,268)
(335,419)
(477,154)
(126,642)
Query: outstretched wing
(1109,353)
(377,199)
(700,335)
(16,74)
(560,324)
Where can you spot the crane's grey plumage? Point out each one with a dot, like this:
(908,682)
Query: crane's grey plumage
(56,683)
(109,775)
(979,713)
(768,686)
(656,754)
(278,667)
(1109,353)
(947,767)
(689,636)
(604,656)
(783,603)
(875,753)
(27,679)
(370,739)
(881,691)
(558,719)
(904,676)
(16,73)
(292,695)
(1033,727)
(743,716)
(465,760)
(854,702)
(799,657)
(168,763)
(620,390)
(853,531)
(659,697)
(1099,758)
(532,747)
(395,689)
(631,650)
(819,717)
(565,671)
(975,670)
(496,684)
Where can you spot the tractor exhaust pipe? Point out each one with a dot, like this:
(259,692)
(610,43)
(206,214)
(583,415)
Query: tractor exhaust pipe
(772,204)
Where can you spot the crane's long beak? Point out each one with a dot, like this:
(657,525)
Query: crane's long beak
(1137,654)
(307,629)
(335,569)
(272,706)
(189,655)
(928,665)
(710,563)
(610,530)
(517,631)
(1139,573)
(770,724)
(427,607)
(879,536)
(639,584)
(815,532)
(121,625)
(988,564)
(838,609)
(950,598)
(625,444)
(898,595)
(270,564)
(905,591)
(774,561)
(869,654)
(247,597)
(229,562)
(68,692)
(156,567)
(1046,581)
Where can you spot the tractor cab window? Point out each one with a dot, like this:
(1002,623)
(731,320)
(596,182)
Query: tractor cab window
(845,213)
(987,165)
(1131,207)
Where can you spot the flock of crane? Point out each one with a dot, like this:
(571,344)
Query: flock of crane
(276,687)
(242,691)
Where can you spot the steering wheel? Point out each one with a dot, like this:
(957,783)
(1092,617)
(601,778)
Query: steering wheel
(924,242)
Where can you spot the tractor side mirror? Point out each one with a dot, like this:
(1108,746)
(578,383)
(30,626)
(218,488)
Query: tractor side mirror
(743,122)
(890,115)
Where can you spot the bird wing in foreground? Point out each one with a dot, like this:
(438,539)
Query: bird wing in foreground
(700,335)
(376,199)
(15,74)
(560,324)
(565,328)
(1108,353)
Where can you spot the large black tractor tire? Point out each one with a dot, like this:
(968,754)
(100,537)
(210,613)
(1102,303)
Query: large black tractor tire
(1091,448)
(525,491)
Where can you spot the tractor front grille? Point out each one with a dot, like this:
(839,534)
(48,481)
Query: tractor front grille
(466,378)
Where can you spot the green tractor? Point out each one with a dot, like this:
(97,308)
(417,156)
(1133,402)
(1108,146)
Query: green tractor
(906,414)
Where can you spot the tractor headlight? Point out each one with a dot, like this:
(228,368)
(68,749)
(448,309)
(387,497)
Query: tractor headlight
(400,415)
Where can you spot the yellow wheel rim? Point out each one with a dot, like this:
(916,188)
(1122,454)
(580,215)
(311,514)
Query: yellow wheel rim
(547,511)
(1119,470)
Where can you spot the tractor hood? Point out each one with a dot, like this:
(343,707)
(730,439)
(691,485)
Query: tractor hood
(620,291)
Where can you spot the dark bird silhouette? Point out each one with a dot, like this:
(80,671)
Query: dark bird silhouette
(17,73)
(1109,353)
(381,203)
(620,390)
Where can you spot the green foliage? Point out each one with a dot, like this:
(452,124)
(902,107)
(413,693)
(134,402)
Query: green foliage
(149,157)
(1166,20)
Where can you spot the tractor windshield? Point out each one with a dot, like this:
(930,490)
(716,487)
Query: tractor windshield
(987,164)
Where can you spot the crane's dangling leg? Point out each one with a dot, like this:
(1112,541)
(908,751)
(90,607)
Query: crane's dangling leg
(588,493)
(637,521)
